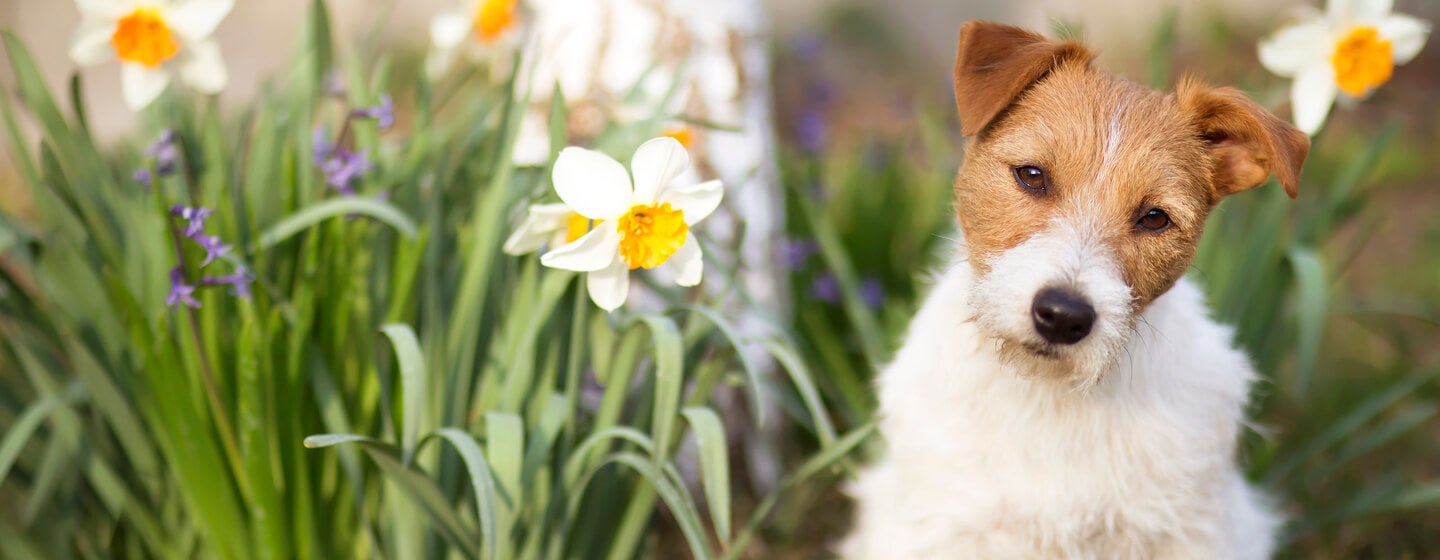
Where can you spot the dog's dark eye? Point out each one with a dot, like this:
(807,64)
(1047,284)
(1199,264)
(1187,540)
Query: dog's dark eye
(1031,178)
(1154,220)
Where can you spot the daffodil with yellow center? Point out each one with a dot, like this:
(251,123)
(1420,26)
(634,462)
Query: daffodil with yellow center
(550,225)
(481,29)
(148,36)
(1352,49)
(641,224)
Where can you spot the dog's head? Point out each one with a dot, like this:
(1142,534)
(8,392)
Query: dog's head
(1083,195)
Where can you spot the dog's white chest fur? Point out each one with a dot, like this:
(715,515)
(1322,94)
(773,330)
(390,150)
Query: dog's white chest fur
(983,461)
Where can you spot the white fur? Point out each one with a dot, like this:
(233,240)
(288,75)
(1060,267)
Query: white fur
(988,459)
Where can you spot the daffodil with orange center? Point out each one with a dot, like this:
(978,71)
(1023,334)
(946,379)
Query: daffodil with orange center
(1352,49)
(644,223)
(149,36)
(483,30)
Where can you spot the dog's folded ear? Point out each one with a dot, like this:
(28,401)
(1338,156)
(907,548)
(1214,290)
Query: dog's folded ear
(995,63)
(1248,142)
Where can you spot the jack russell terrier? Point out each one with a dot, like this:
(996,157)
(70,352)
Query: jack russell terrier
(1063,392)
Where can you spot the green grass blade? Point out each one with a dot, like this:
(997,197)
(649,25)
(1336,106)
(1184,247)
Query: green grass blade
(483,483)
(412,385)
(334,208)
(714,465)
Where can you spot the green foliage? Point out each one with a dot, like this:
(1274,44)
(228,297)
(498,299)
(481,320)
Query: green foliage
(130,428)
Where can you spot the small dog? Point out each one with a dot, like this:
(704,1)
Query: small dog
(1062,393)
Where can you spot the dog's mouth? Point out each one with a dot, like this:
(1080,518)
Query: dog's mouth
(1041,350)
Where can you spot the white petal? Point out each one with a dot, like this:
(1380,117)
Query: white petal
(532,144)
(697,201)
(593,251)
(1407,35)
(609,286)
(448,29)
(92,42)
(196,20)
(592,183)
(1294,47)
(655,164)
(1370,12)
(105,9)
(204,70)
(140,85)
(688,263)
(541,223)
(1311,96)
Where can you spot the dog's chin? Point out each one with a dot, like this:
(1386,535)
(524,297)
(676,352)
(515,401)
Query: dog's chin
(1080,365)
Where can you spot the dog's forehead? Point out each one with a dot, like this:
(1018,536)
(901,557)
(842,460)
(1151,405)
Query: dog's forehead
(1104,115)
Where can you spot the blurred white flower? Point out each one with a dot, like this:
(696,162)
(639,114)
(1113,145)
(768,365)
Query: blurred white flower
(145,36)
(550,225)
(1352,48)
(641,225)
(483,30)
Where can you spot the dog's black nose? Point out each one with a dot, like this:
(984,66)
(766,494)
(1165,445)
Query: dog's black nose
(1062,316)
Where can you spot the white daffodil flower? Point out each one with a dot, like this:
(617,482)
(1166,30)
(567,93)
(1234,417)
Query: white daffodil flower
(480,29)
(145,36)
(644,224)
(1352,48)
(550,225)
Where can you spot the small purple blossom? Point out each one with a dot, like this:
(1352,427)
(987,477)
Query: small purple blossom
(384,113)
(239,283)
(825,288)
(165,153)
(195,218)
(343,168)
(812,130)
(180,292)
(213,247)
(798,251)
(808,47)
(320,145)
(872,292)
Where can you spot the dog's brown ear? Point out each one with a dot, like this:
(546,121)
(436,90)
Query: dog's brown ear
(1248,142)
(995,62)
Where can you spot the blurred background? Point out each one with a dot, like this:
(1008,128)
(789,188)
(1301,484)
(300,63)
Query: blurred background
(1336,295)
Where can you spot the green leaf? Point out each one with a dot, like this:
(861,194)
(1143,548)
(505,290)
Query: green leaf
(1311,311)
(483,483)
(805,385)
(669,380)
(412,384)
(752,373)
(334,208)
(714,465)
(505,448)
(19,434)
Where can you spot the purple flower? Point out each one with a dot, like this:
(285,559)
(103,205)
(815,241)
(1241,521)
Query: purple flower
(343,168)
(384,113)
(194,216)
(213,247)
(320,145)
(825,288)
(873,292)
(798,251)
(808,47)
(164,152)
(180,292)
(239,283)
(811,130)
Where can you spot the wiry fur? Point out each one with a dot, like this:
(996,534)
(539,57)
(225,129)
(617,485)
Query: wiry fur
(987,461)
(1120,444)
